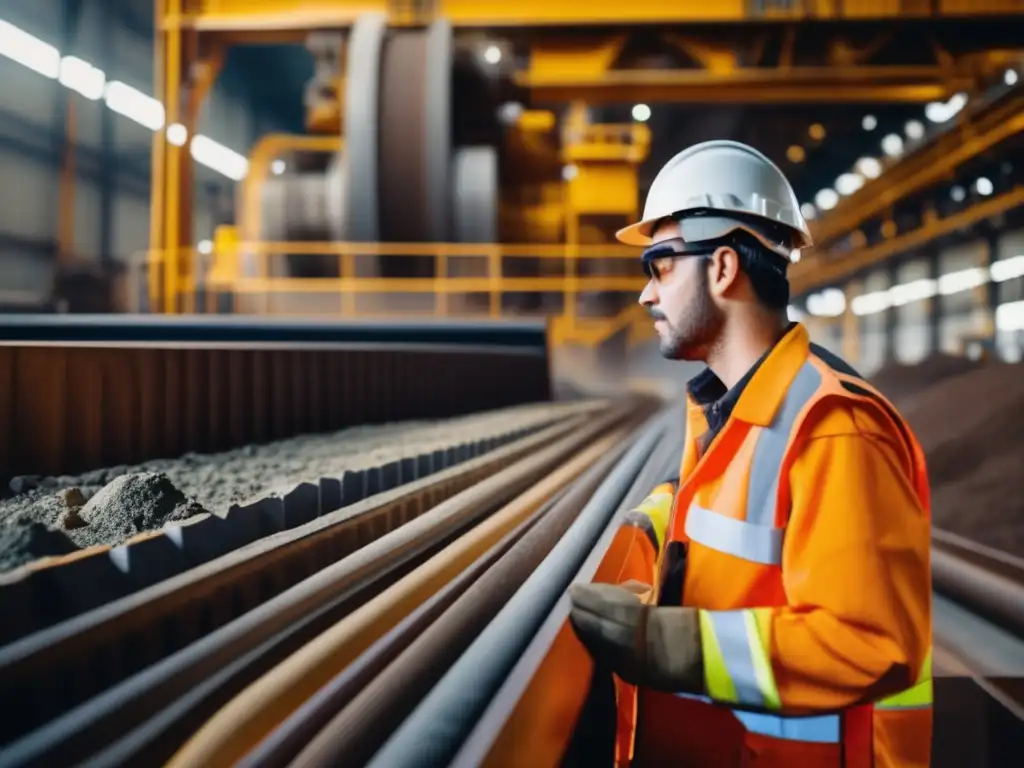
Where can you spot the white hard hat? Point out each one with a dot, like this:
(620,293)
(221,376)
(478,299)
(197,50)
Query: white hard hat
(717,178)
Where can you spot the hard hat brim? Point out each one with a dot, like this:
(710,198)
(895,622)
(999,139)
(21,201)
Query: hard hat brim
(636,234)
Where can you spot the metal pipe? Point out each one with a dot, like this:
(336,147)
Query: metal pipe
(984,590)
(433,732)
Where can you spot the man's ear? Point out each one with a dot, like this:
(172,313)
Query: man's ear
(723,271)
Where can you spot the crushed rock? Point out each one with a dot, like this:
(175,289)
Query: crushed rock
(28,540)
(132,504)
(96,507)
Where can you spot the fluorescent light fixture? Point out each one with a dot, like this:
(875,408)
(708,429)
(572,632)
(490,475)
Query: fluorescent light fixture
(82,77)
(831,302)
(135,105)
(29,51)
(79,75)
(215,155)
(1007,269)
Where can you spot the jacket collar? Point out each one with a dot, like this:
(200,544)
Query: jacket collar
(768,386)
(757,396)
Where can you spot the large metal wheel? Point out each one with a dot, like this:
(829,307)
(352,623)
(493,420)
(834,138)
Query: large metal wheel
(398,178)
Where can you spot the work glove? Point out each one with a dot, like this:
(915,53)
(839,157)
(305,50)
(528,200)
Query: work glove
(650,646)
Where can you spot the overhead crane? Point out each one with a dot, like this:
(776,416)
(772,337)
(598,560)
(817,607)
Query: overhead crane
(547,175)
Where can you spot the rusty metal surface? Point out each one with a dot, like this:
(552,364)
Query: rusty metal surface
(82,392)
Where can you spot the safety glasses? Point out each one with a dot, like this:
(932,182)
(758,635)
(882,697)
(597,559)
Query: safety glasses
(675,248)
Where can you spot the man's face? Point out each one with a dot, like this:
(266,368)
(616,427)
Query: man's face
(677,296)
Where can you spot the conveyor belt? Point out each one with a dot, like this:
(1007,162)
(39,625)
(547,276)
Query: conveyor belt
(51,671)
(158,707)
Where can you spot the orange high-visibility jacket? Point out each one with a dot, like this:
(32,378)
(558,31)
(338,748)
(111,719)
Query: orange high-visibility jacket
(806,530)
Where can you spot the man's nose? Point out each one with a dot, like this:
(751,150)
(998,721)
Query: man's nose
(649,295)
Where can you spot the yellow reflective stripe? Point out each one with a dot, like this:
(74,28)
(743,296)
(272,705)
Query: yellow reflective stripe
(918,696)
(736,661)
(657,508)
(717,681)
(759,629)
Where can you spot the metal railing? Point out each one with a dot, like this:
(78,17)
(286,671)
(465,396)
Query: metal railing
(587,292)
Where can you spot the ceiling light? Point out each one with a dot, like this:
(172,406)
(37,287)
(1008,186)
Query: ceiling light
(1007,269)
(177,134)
(509,112)
(134,104)
(984,186)
(831,302)
(809,211)
(81,76)
(277,167)
(569,172)
(1010,77)
(641,113)
(817,131)
(204,246)
(869,123)
(914,130)
(936,112)
(826,199)
(18,45)
(892,145)
(940,112)
(849,183)
(796,154)
(958,194)
(869,168)
(492,54)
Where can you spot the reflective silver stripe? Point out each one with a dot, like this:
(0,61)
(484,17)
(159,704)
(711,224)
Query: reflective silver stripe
(821,729)
(770,450)
(757,543)
(734,644)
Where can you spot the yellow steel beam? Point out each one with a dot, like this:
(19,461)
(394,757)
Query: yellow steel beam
(929,165)
(918,84)
(238,15)
(821,270)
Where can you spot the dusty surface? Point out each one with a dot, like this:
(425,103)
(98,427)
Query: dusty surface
(970,423)
(49,516)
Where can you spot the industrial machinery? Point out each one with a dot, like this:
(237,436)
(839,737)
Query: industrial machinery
(446,169)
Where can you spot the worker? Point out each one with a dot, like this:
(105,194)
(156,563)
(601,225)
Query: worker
(779,605)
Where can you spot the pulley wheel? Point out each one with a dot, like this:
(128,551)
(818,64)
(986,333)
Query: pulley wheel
(415,135)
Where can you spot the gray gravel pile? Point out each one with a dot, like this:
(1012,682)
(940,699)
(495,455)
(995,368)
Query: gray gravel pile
(54,515)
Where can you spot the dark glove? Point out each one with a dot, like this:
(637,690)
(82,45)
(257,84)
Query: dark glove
(650,646)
